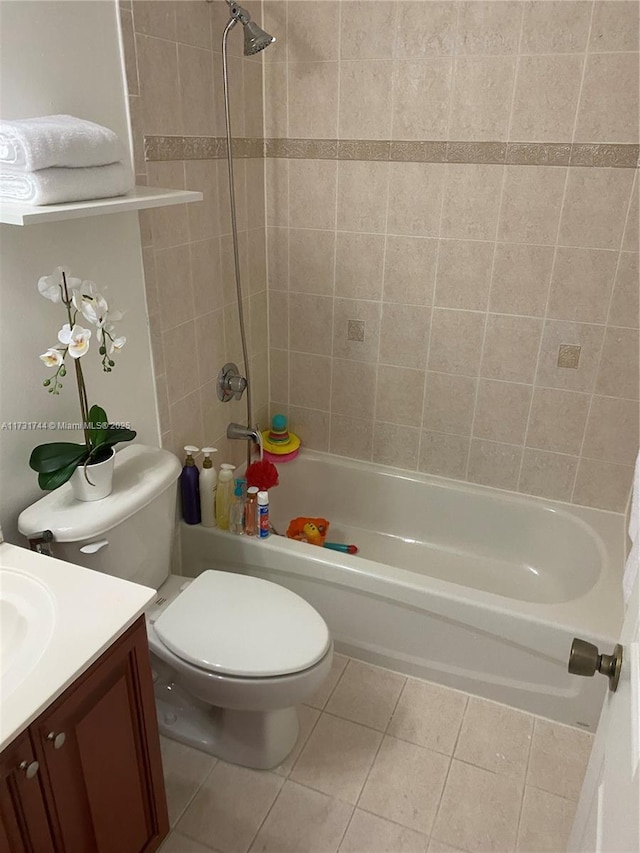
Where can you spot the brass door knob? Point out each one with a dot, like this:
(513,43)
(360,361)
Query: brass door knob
(57,739)
(585,659)
(30,768)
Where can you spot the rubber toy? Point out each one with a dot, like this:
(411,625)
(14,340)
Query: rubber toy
(311,530)
(278,443)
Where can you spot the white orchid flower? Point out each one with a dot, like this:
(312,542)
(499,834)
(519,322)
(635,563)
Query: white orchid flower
(52,357)
(105,328)
(117,345)
(91,304)
(50,286)
(76,339)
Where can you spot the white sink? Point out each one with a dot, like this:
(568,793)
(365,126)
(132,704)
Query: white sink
(27,620)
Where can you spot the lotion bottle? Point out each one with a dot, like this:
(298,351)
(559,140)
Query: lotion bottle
(263,515)
(190,487)
(208,486)
(224,495)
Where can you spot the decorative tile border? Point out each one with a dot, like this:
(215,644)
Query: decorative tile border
(511,153)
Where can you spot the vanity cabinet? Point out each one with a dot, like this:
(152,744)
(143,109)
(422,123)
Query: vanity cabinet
(99,783)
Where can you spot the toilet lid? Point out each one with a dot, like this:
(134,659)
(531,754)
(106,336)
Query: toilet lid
(240,625)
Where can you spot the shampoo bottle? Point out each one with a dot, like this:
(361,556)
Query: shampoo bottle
(208,485)
(224,495)
(190,487)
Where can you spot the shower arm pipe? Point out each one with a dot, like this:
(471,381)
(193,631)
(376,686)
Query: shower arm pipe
(234,227)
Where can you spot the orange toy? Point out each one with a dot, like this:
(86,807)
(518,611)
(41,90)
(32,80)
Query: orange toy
(312,530)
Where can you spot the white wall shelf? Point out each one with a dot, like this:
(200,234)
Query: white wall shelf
(140,198)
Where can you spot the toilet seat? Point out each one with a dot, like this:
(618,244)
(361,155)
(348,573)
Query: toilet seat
(238,625)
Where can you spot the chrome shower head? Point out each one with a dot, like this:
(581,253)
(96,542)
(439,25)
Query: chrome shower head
(255,38)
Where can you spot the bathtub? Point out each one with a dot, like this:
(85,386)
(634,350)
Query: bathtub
(471,587)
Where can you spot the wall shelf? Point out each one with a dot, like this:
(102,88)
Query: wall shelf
(140,198)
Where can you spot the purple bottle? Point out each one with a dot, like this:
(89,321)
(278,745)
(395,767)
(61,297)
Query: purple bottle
(190,488)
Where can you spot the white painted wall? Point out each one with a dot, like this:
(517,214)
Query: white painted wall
(64,57)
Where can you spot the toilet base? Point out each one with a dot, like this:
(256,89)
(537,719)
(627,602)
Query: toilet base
(257,739)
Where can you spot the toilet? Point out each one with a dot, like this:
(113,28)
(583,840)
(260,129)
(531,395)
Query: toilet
(232,654)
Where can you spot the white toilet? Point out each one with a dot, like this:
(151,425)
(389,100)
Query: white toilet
(232,654)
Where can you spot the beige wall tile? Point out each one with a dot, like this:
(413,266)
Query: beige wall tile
(444,455)
(494,464)
(279,374)
(312,30)
(155,18)
(366,29)
(456,341)
(449,403)
(609,102)
(612,431)
(365,100)
(614,26)
(404,335)
(520,281)
(313,100)
(195,71)
(489,27)
(351,437)
(618,371)
(278,258)
(399,395)
(312,180)
(209,341)
(310,323)
(310,381)
(464,274)
(548,475)
(587,337)
(511,348)
(181,361)
(311,426)
(359,265)
(395,445)
(425,30)
(173,276)
(129,51)
(276,113)
(409,270)
(421,98)
(252,101)
(481,97)
(279,319)
(193,24)
(545,822)
(362,196)
(558,759)
(353,390)
(169,225)
(595,207)
(581,285)
(259,324)
(557,420)
(256,274)
(624,308)
(472,201)
(546,98)
(415,198)
(555,26)
(531,202)
(502,409)
(603,485)
(277,181)
(369,314)
(311,260)
(186,423)
(203,216)
(630,240)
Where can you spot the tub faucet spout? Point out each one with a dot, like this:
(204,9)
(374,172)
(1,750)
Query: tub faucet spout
(244,433)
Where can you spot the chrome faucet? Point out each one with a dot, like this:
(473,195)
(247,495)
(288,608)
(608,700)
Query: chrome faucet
(244,432)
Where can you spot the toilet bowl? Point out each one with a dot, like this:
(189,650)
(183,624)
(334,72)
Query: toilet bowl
(232,654)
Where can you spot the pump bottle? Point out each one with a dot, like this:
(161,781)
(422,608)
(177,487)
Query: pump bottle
(208,486)
(190,487)
(224,495)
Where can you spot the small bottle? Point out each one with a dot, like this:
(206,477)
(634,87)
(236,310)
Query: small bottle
(251,512)
(236,512)
(190,487)
(208,486)
(263,514)
(224,495)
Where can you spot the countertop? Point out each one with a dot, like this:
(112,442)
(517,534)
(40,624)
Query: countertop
(91,610)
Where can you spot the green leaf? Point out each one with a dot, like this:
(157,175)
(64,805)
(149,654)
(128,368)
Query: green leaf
(117,434)
(97,415)
(52,479)
(48,458)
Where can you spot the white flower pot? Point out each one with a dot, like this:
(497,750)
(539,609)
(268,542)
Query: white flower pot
(101,476)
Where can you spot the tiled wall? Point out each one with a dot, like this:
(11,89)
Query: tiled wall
(174,73)
(464,279)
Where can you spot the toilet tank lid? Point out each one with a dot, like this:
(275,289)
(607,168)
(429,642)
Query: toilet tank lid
(141,474)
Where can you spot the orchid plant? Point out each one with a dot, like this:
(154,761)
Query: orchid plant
(55,462)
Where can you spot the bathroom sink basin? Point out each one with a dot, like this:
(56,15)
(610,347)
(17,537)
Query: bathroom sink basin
(27,620)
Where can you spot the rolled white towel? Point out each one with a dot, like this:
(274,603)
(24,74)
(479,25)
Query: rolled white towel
(31,144)
(56,186)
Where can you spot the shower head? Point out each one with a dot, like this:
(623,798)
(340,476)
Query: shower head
(255,38)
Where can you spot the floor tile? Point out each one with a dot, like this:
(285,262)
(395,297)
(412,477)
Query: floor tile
(405,784)
(368,833)
(321,696)
(440,847)
(428,715)
(307,718)
(303,820)
(559,756)
(337,758)
(230,807)
(366,694)
(545,822)
(479,810)
(178,843)
(495,737)
(185,769)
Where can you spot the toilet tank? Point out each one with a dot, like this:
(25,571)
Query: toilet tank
(127,534)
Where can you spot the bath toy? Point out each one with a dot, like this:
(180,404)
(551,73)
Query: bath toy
(278,443)
(311,530)
(338,546)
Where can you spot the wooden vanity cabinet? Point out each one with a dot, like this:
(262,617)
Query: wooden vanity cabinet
(100,771)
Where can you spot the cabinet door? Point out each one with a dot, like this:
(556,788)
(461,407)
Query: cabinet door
(100,753)
(24,823)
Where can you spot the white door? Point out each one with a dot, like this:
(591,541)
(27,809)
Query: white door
(608,814)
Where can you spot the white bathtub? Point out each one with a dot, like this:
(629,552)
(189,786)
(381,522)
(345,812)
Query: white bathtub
(472,587)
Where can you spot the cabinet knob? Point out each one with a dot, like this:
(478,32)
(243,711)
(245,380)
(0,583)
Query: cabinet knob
(57,739)
(30,768)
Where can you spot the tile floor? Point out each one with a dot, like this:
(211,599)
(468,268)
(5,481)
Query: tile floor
(387,763)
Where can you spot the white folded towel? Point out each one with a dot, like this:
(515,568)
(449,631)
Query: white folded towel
(56,186)
(31,144)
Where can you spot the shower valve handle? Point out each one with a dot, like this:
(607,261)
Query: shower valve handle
(231,383)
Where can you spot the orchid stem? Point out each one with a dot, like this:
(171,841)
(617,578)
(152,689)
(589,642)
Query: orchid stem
(82,390)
